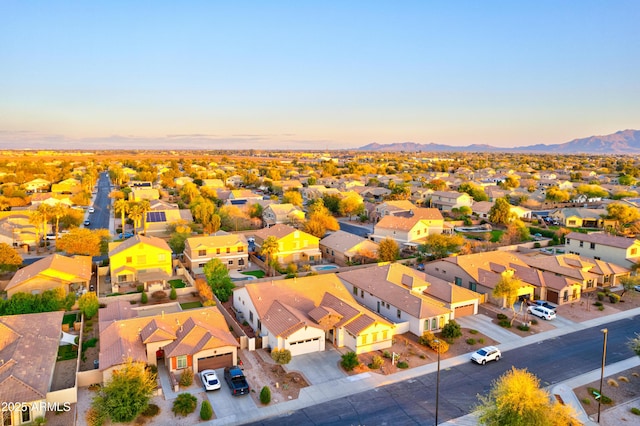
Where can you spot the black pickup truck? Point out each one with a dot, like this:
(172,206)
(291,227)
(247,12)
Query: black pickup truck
(236,381)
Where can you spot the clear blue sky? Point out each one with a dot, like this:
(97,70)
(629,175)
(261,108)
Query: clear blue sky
(324,74)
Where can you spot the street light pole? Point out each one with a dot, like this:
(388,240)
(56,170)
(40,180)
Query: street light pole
(437,380)
(604,357)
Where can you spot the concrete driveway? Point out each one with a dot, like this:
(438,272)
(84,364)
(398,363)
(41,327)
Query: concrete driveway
(317,367)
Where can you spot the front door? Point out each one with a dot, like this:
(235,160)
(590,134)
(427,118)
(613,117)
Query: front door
(378,309)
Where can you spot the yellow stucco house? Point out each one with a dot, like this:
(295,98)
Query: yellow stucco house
(73,274)
(146,260)
(293,245)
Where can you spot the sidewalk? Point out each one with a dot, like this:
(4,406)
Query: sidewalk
(349,385)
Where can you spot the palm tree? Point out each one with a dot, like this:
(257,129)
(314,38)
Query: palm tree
(57,211)
(36,219)
(121,207)
(269,250)
(46,212)
(145,205)
(135,214)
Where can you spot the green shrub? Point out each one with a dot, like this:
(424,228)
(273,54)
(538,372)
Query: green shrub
(600,295)
(603,398)
(534,321)
(95,417)
(265,395)
(349,361)
(281,356)
(376,362)
(472,331)
(523,327)
(614,298)
(174,294)
(481,341)
(184,404)
(586,401)
(451,330)
(402,364)
(471,341)
(152,410)
(502,317)
(504,323)
(144,298)
(386,354)
(186,379)
(601,308)
(597,303)
(635,411)
(206,412)
(140,288)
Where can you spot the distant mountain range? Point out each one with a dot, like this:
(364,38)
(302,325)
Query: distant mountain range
(622,142)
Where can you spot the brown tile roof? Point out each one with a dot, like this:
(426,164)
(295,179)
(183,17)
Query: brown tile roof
(495,261)
(56,268)
(28,350)
(283,320)
(602,238)
(213,241)
(342,241)
(557,265)
(393,283)
(449,293)
(115,248)
(186,332)
(359,324)
(279,231)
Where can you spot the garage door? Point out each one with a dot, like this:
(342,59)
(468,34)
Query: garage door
(215,361)
(463,311)
(552,296)
(304,346)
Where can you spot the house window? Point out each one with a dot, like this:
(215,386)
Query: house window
(217,251)
(241,262)
(568,241)
(434,323)
(472,286)
(458,281)
(129,259)
(364,339)
(634,251)
(251,316)
(122,278)
(361,293)
(590,284)
(231,262)
(581,243)
(240,249)
(202,252)
(596,257)
(572,222)
(592,246)
(399,313)
(375,337)
(387,306)
(384,335)
(201,265)
(181,361)
(575,294)
(228,249)
(565,296)
(26,413)
(606,278)
(355,291)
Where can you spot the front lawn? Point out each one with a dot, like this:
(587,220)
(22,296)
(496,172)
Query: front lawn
(257,274)
(190,305)
(69,319)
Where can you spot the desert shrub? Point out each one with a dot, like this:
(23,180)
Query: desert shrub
(481,341)
(601,308)
(349,361)
(206,412)
(597,303)
(376,362)
(152,410)
(439,345)
(133,302)
(501,316)
(536,245)
(586,401)
(600,295)
(634,374)
(174,294)
(186,379)
(623,379)
(386,354)
(426,337)
(403,364)
(144,298)
(635,411)
(534,321)
(614,298)
(612,382)
(140,288)
(281,356)
(472,331)
(523,327)
(471,341)
(451,330)
(504,323)
(184,404)
(265,395)
(94,417)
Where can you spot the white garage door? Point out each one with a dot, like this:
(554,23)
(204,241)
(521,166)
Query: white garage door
(305,346)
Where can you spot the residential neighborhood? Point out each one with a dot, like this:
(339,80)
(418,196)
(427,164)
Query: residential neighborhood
(207,261)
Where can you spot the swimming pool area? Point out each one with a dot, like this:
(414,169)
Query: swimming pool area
(324,267)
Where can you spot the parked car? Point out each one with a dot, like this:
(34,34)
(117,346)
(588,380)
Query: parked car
(210,380)
(91,210)
(87,222)
(486,354)
(636,288)
(236,381)
(542,312)
(125,235)
(546,304)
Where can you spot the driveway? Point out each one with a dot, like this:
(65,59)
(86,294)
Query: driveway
(317,367)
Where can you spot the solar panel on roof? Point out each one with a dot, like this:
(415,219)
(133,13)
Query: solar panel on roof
(156,217)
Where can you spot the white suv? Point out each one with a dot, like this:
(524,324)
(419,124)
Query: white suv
(488,353)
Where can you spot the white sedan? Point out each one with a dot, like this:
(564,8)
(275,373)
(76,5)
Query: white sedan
(209,380)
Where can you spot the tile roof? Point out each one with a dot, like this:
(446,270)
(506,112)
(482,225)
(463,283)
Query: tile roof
(55,268)
(602,238)
(406,222)
(28,351)
(279,231)
(186,333)
(342,242)
(489,261)
(213,241)
(115,248)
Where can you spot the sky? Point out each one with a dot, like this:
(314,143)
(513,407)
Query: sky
(315,75)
